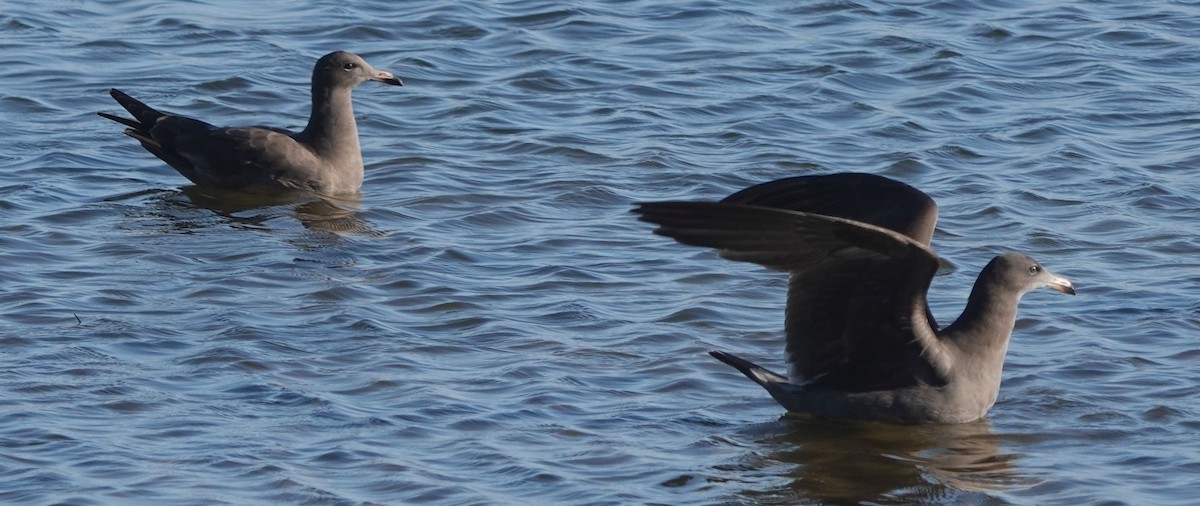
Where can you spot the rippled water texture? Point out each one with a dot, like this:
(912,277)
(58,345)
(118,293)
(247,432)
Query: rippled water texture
(489,325)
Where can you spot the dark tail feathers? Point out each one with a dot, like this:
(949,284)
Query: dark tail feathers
(144,116)
(752,371)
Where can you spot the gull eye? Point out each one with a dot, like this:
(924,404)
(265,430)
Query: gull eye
(1034,270)
(348,66)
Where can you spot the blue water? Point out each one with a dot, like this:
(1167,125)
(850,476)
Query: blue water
(489,325)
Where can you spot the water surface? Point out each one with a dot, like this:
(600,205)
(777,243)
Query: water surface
(488,324)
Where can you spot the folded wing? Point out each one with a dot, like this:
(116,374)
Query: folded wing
(219,157)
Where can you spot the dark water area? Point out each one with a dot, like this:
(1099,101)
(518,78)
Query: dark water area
(488,324)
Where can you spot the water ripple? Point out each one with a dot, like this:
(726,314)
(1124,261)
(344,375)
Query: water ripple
(488,324)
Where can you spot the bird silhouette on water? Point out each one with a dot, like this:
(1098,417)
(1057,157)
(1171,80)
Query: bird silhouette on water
(861,341)
(324,158)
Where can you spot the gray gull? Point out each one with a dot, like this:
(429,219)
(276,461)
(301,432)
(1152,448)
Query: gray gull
(861,341)
(324,158)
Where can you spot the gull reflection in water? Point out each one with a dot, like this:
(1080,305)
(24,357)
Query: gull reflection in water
(856,462)
(315,212)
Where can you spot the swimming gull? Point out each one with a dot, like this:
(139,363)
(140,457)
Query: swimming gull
(324,158)
(861,342)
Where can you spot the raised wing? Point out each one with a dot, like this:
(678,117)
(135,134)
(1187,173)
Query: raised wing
(865,198)
(856,312)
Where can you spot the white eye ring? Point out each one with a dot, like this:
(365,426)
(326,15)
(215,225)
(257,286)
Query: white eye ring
(1034,269)
(349,66)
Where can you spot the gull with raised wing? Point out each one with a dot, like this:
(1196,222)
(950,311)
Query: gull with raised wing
(861,341)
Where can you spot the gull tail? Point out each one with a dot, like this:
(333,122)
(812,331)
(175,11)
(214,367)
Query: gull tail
(754,372)
(144,116)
